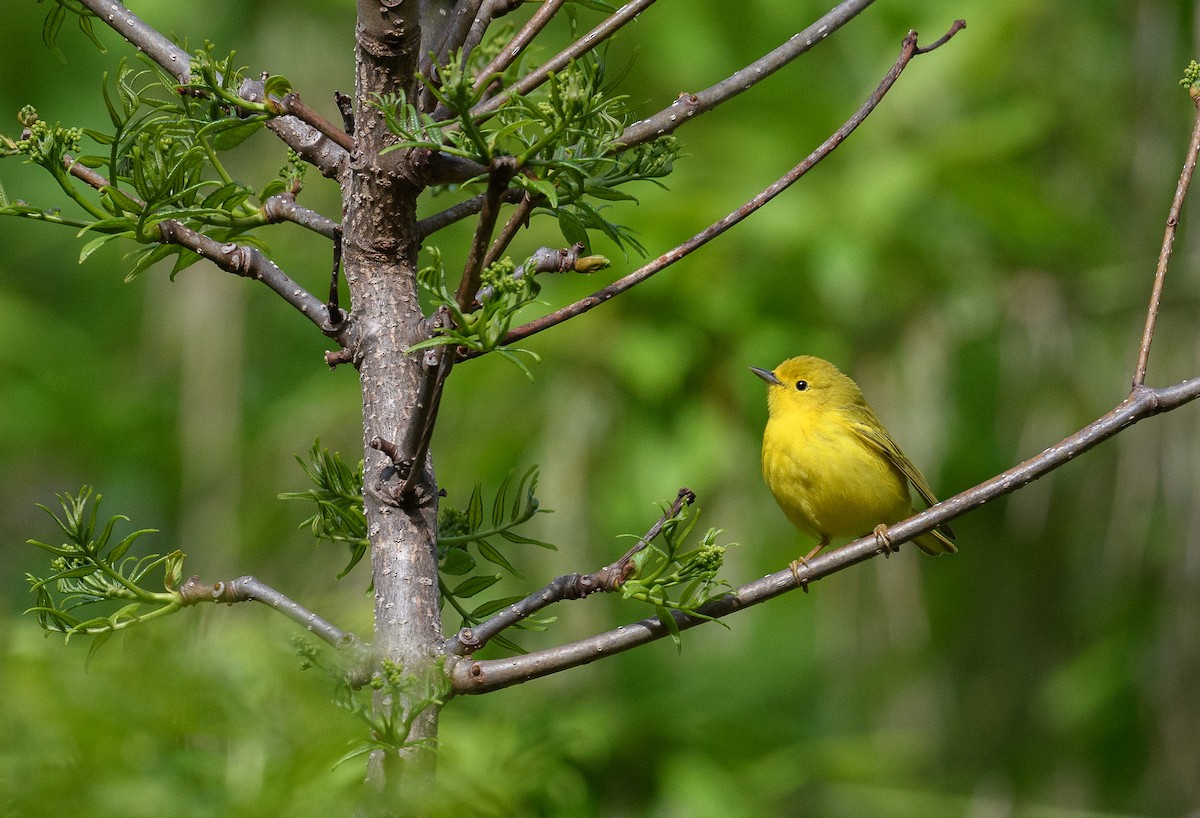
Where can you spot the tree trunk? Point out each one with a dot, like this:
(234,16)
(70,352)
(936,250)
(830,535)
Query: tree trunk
(380,256)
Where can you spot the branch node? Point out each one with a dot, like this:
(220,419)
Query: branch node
(336,357)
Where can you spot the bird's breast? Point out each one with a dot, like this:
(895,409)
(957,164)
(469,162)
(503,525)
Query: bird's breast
(827,480)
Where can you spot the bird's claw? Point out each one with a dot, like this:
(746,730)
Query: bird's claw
(885,541)
(795,566)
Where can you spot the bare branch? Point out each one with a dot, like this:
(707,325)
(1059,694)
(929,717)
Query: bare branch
(250,263)
(454,33)
(470,676)
(282,207)
(577,49)
(520,40)
(687,106)
(548,260)
(907,52)
(293,105)
(311,145)
(569,586)
(1164,256)
(301,138)
(145,37)
(518,219)
(437,370)
(489,11)
(249,589)
(456,213)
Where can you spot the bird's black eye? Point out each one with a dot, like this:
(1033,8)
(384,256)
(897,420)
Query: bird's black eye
(801,386)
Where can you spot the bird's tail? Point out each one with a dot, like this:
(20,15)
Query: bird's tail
(938,541)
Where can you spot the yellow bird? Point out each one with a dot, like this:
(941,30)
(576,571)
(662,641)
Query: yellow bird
(832,466)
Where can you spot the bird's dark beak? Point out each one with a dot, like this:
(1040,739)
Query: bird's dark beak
(767,375)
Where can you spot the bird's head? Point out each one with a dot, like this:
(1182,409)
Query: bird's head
(807,383)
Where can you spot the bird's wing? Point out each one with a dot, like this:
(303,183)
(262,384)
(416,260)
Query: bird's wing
(871,432)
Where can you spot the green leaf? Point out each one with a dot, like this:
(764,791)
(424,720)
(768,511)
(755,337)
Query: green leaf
(230,136)
(95,244)
(521,539)
(120,548)
(122,200)
(98,641)
(475,508)
(668,622)
(572,229)
(499,503)
(493,556)
(539,187)
(457,562)
(277,85)
(472,586)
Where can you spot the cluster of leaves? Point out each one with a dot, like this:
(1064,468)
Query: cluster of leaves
(404,696)
(465,536)
(483,328)
(338,496)
(672,576)
(563,135)
(160,161)
(462,530)
(91,568)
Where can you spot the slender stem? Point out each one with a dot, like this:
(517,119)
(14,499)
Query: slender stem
(1164,256)
(584,44)
(569,586)
(471,676)
(687,106)
(907,52)
(249,262)
(422,424)
(176,61)
(454,32)
(518,219)
(520,40)
(292,104)
(141,34)
(249,589)
(282,207)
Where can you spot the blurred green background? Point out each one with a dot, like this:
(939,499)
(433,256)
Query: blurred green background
(978,255)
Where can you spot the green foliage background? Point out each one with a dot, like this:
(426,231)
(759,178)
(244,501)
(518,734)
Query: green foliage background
(978,256)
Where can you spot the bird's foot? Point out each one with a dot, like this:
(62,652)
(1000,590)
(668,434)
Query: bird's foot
(885,541)
(795,566)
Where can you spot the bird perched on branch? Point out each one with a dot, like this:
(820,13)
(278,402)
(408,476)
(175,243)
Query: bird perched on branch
(832,466)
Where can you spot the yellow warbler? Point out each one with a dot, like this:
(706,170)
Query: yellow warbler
(833,468)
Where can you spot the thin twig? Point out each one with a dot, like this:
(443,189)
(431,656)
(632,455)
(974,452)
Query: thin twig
(520,40)
(584,44)
(420,429)
(687,106)
(518,219)
(345,106)
(456,213)
(484,676)
(232,258)
(332,307)
(138,32)
(907,52)
(548,260)
(250,263)
(282,207)
(1164,256)
(177,62)
(250,589)
(501,173)
(569,586)
(292,104)
(453,34)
